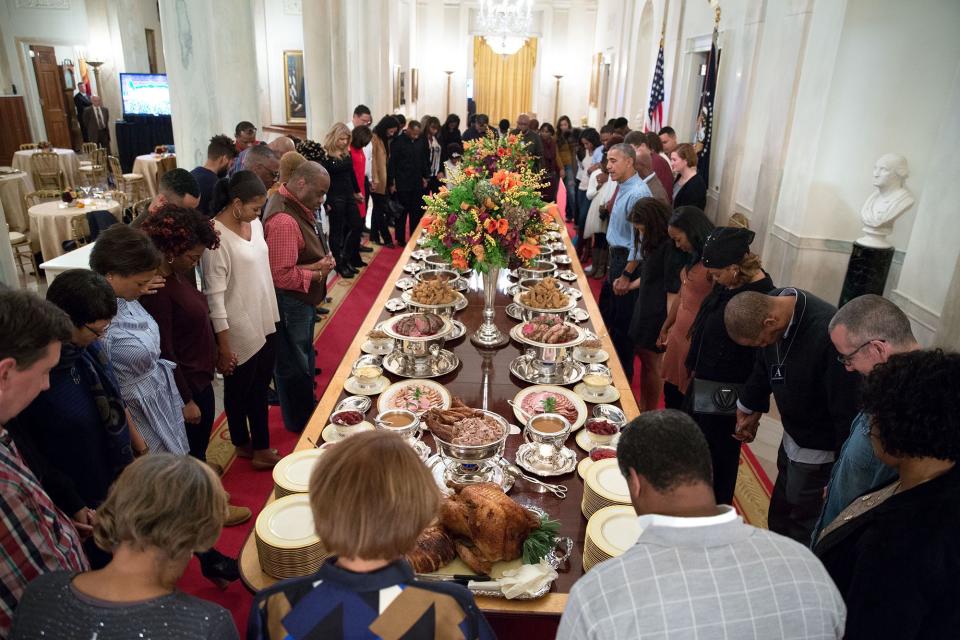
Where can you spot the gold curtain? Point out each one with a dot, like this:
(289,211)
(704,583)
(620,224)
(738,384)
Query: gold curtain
(503,85)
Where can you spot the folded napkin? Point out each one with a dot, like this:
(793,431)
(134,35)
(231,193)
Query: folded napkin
(525,581)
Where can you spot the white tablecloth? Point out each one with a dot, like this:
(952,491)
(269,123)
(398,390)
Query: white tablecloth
(147,166)
(76,259)
(51,221)
(13,187)
(69,164)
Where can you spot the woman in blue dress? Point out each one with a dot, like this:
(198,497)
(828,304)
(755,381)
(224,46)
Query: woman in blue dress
(128,259)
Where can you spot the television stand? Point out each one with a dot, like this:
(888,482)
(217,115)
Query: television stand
(137,135)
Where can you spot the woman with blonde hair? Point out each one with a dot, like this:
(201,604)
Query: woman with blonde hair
(371,498)
(689,189)
(161,510)
(714,358)
(346,225)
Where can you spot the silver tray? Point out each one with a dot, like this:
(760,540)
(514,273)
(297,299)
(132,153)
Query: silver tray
(459,330)
(569,276)
(413,267)
(569,372)
(578,315)
(405,283)
(360,403)
(514,311)
(441,365)
(526,451)
(395,304)
(498,475)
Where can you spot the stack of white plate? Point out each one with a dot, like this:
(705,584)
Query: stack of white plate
(287,544)
(292,473)
(610,532)
(603,486)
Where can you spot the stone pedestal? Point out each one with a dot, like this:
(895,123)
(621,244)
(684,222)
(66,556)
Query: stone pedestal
(866,272)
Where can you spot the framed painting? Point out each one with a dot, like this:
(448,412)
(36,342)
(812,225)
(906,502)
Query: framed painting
(595,79)
(294,95)
(397,88)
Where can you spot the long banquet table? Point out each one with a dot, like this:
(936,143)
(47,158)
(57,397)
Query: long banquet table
(482,380)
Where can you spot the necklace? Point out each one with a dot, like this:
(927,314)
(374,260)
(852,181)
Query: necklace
(778,371)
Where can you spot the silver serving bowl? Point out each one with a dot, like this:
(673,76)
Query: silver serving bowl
(446,309)
(447,274)
(529,313)
(536,269)
(418,347)
(545,345)
(439,262)
(472,454)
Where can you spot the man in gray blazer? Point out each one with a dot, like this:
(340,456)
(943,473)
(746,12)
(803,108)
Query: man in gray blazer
(697,570)
(96,123)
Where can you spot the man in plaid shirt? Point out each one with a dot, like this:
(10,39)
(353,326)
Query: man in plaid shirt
(697,570)
(35,536)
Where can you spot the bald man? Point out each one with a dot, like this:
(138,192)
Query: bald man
(300,261)
(532,138)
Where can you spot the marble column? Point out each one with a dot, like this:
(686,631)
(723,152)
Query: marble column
(211,64)
(325,65)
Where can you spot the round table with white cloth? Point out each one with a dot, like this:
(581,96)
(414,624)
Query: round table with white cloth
(69,163)
(147,166)
(14,185)
(51,222)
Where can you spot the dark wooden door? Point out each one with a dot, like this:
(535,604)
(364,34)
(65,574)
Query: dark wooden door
(50,89)
(15,130)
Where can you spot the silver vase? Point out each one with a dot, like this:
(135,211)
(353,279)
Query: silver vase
(488,335)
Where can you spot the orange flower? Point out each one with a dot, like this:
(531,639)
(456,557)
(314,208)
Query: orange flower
(427,220)
(528,251)
(505,180)
(478,251)
(458,258)
(495,225)
(464,206)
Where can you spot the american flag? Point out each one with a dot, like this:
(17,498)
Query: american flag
(655,111)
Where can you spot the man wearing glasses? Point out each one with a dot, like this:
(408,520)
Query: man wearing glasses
(866,332)
(816,396)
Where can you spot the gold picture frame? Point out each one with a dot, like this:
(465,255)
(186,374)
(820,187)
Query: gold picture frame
(397,89)
(414,85)
(294,86)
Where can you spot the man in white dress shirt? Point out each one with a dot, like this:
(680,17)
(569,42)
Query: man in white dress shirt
(697,570)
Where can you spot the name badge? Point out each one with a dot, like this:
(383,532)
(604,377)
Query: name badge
(778,374)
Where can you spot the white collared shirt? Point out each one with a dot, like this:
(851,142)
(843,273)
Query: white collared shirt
(727,514)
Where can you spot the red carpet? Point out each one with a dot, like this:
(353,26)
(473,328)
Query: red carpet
(250,488)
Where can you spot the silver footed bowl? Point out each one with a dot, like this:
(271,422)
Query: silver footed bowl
(442,273)
(537,269)
(444,309)
(470,454)
(438,262)
(418,347)
(556,345)
(529,313)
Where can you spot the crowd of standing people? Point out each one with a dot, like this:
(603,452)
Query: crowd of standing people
(107,407)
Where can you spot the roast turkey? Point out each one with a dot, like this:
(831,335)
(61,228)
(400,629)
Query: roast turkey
(487,526)
(434,550)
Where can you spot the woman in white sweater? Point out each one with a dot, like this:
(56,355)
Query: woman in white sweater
(243,309)
(598,215)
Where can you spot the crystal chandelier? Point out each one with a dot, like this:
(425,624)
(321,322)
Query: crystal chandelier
(505,24)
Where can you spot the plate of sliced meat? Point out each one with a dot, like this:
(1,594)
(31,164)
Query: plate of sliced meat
(545,398)
(417,396)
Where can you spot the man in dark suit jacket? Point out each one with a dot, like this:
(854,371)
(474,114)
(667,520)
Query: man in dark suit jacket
(407,172)
(96,123)
(532,138)
(81,102)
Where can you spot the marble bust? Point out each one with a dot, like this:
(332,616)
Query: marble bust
(889,201)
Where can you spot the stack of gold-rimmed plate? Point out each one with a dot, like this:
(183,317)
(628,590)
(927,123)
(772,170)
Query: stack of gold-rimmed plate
(603,486)
(610,532)
(292,473)
(287,544)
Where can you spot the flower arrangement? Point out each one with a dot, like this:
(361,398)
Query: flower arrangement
(489,154)
(481,222)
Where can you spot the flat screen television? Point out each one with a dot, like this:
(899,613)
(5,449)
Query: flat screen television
(145,94)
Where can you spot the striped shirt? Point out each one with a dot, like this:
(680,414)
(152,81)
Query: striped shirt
(35,536)
(711,577)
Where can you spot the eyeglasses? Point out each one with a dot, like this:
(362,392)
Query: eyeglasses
(846,359)
(99,334)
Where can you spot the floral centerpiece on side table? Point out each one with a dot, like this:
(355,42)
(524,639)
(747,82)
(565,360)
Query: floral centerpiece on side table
(487,223)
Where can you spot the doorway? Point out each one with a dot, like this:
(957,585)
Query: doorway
(50,91)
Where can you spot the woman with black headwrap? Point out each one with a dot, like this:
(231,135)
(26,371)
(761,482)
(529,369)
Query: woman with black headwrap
(714,357)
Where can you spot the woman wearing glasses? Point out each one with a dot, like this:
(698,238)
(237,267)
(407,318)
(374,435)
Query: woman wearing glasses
(74,435)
